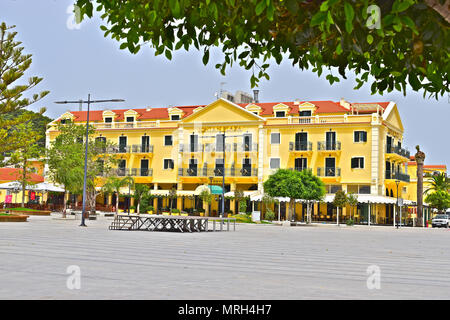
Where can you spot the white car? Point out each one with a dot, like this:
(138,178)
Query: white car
(441,220)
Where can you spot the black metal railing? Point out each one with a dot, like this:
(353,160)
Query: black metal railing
(329,172)
(300,169)
(139,148)
(397,176)
(218,172)
(398,150)
(300,146)
(125,172)
(328,145)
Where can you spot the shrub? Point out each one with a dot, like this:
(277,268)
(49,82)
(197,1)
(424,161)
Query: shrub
(350,222)
(176,210)
(270,215)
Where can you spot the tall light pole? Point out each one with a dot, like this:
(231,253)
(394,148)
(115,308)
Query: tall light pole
(88,101)
(397,182)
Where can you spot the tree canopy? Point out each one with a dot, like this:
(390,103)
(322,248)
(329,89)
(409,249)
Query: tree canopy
(294,185)
(439,199)
(390,43)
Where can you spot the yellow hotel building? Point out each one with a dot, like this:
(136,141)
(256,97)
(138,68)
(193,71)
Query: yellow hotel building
(355,147)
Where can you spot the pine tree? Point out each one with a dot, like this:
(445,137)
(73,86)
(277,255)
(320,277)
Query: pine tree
(13,65)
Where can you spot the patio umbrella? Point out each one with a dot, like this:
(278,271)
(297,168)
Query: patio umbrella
(46,187)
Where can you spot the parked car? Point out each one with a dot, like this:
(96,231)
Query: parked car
(441,220)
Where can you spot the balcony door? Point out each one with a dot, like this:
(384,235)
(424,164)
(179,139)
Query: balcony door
(247,167)
(122,144)
(301,141)
(247,142)
(301,164)
(145,143)
(102,142)
(193,143)
(388,144)
(388,170)
(330,140)
(330,167)
(192,167)
(144,167)
(122,167)
(219,142)
(220,167)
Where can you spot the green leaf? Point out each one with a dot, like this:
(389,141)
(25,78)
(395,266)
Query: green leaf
(205,58)
(318,18)
(349,15)
(260,7)
(369,39)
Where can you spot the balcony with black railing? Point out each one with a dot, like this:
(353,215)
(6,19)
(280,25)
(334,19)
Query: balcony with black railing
(218,172)
(300,169)
(329,146)
(328,172)
(398,151)
(300,146)
(395,175)
(142,148)
(127,172)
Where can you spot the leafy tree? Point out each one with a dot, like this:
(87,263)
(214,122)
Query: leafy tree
(21,157)
(140,191)
(438,182)
(295,185)
(206,197)
(267,200)
(396,42)
(114,184)
(66,157)
(352,200)
(340,200)
(439,199)
(13,65)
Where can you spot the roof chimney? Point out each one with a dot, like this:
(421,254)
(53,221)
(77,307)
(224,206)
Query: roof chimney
(255,95)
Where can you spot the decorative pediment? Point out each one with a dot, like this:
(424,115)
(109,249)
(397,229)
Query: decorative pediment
(197,109)
(67,115)
(130,113)
(306,105)
(174,110)
(253,108)
(222,110)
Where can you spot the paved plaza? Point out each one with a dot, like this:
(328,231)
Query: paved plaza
(255,262)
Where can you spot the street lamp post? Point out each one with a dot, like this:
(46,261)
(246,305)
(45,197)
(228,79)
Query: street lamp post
(222,211)
(397,182)
(89,101)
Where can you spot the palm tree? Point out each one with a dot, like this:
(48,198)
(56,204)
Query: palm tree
(438,182)
(113,185)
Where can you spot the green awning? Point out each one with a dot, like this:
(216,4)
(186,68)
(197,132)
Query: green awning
(215,189)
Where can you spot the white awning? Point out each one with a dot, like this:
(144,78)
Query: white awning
(45,187)
(246,194)
(159,192)
(185,193)
(11,185)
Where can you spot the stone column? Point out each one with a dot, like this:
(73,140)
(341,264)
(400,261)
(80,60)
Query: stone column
(420,158)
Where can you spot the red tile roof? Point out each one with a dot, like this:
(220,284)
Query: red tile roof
(267,109)
(13,174)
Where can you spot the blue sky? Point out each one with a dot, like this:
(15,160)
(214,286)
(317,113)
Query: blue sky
(75,62)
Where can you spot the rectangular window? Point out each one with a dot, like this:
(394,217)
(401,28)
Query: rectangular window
(275,163)
(130,119)
(275,138)
(358,163)
(280,114)
(168,164)
(168,140)
(364,189)
(175,117)
(108,120)
(360,136)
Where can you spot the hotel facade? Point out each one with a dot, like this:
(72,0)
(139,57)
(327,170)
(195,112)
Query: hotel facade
(354,147)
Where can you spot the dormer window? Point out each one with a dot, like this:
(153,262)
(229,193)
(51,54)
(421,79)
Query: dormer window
(108,120)
(280,114)
(175,113)
(130,119)
(65,121)
(175,117)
